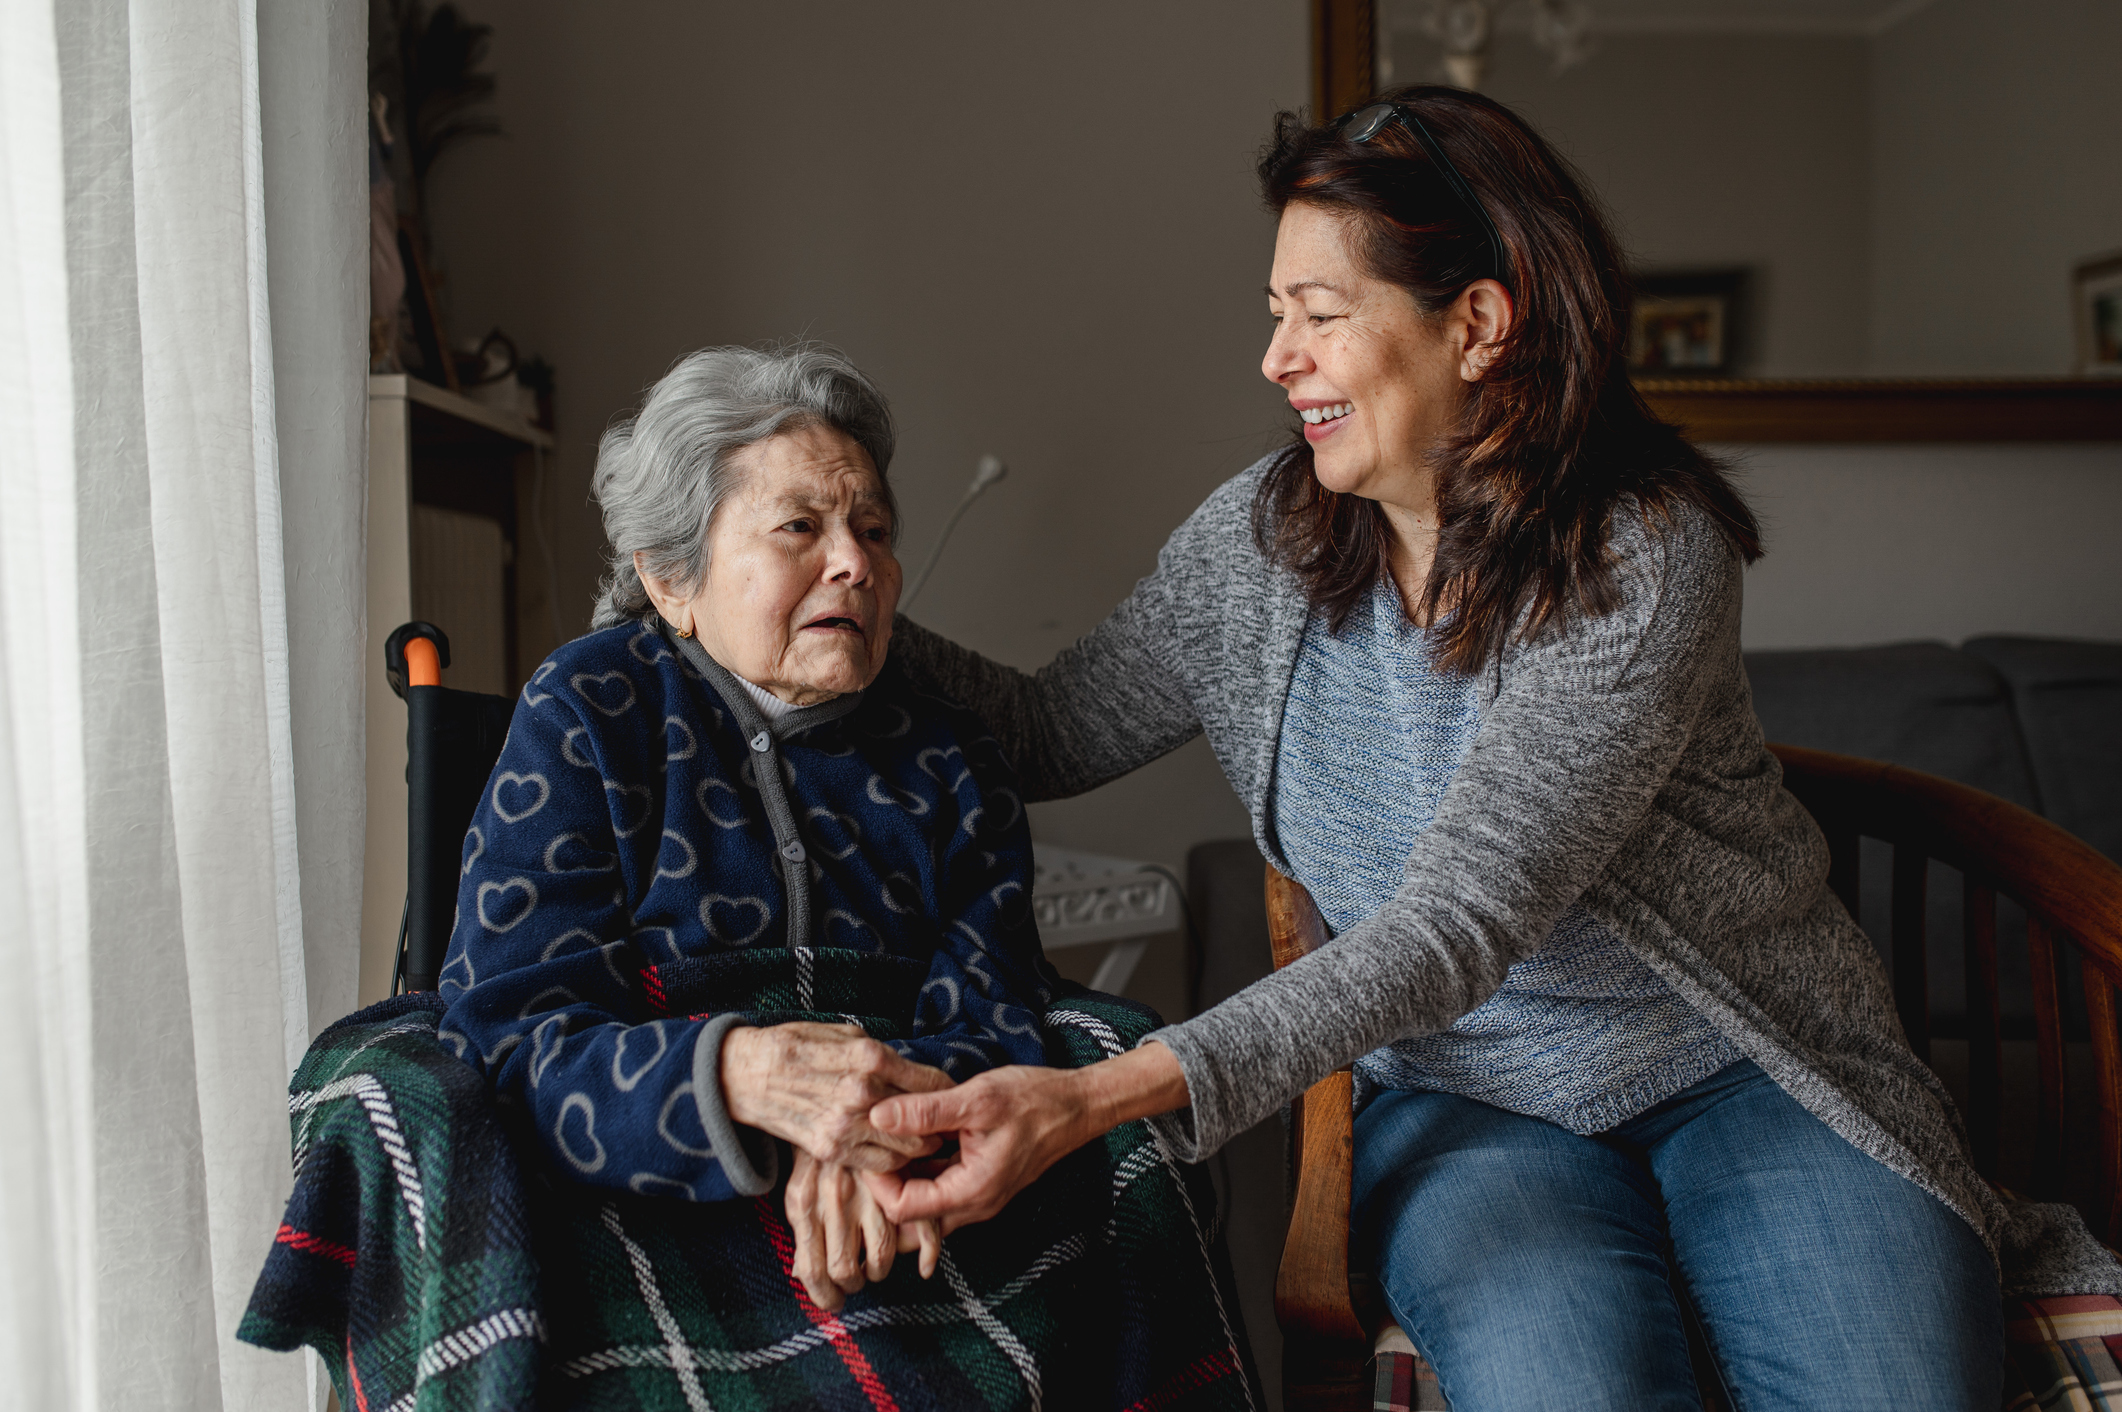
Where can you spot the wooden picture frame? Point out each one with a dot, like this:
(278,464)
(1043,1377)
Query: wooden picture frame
(2096,315)
(1690,323)
(1842,411)
(1344,55)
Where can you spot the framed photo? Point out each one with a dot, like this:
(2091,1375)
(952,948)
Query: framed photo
(2098,307)
(1688,324)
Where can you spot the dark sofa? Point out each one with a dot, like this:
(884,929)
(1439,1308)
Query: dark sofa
(2035,720)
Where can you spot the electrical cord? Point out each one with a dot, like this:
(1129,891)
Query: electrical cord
(986,474)
(1196,956)
(1196,965)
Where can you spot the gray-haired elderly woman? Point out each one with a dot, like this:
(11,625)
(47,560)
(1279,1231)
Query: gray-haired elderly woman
(735,880)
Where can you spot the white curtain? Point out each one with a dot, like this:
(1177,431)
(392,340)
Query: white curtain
(183,264)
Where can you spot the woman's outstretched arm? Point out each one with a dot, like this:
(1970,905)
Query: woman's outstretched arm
(1109,704)
(1182,651)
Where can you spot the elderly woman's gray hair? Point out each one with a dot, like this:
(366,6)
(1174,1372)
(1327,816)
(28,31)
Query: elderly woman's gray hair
(664,471)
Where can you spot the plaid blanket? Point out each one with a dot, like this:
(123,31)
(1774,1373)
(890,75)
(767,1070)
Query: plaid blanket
(2062,1354)
(437,1267)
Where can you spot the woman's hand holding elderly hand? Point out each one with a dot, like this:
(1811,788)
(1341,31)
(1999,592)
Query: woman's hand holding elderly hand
(843,1238)
(1012,1124)
(814,1085)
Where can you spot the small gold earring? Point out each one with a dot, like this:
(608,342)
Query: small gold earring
(685,631)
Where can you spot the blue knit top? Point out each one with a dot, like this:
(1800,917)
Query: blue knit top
(1582,1033)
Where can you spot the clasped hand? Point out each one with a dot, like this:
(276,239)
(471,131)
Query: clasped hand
(1012,1124)
(814,1085)
(858,1113)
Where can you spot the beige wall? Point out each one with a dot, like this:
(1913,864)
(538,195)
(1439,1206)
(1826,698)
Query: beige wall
(1035,225)
(1998,150)
(1885,543)
(1914,202)
(1995,169)
(1720,149)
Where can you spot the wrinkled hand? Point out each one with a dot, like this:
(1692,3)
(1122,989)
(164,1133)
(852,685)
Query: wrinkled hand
(1012,1124)
(814,1084)
(843,1238)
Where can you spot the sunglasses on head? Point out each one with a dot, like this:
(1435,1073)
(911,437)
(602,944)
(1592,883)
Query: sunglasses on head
(1366,123)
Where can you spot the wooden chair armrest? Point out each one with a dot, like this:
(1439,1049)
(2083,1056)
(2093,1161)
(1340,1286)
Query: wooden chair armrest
(1311,1287)
(1294,926)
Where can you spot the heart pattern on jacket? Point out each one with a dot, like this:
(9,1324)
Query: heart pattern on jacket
(622,835)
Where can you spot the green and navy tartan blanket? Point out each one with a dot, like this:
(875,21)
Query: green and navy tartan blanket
(436,1269)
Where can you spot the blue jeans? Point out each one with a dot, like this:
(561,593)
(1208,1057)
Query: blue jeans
(1534,1268)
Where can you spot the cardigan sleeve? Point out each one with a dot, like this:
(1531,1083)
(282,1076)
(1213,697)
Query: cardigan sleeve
(536,990)
(1582,736)
(1107,705)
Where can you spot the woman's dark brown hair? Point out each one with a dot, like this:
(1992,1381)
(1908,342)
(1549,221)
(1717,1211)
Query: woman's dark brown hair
(1553,437)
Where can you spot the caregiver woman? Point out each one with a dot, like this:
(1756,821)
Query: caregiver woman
(1469,651)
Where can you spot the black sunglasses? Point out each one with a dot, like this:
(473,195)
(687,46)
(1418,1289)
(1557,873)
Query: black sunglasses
(1366,123)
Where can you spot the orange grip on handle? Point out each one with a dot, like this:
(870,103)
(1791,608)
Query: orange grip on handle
(423,665)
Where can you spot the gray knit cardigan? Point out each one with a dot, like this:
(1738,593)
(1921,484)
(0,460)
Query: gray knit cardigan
(1619,763)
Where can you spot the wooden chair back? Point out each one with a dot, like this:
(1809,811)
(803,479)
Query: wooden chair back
(2072,897)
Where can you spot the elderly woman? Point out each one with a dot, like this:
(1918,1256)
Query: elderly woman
(734,880)
(1469,650)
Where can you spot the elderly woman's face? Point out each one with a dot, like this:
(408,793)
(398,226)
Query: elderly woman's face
(801,580)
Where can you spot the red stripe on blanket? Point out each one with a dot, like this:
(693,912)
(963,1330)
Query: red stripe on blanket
(1186,1380)
(360,1397)
(652,984)
(836,1332)
(314,1245)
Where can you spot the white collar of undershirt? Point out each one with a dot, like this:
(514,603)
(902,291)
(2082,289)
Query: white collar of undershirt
(770,706)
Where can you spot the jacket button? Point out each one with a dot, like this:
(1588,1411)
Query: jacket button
(792,851)
(761,741)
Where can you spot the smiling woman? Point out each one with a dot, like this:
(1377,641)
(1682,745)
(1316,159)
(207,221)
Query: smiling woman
(1488,427)
(1622,1057)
